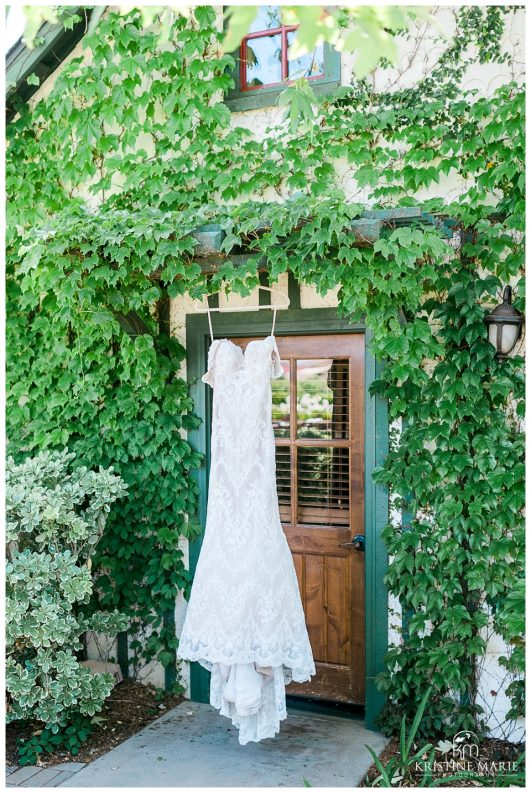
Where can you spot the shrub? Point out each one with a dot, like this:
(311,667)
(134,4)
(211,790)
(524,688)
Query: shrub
(45,741)
(55,517)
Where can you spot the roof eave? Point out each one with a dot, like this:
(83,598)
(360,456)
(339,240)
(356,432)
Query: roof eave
(41,60)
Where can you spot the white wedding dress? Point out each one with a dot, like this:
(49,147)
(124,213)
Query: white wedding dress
(245,621)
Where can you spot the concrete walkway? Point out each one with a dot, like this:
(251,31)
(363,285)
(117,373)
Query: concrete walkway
(192,746)
(35,776)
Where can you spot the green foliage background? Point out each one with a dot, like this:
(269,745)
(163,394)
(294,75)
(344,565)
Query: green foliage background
(141,130)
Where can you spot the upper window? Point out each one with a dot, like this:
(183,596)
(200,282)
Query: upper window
(264,53)
(263,69)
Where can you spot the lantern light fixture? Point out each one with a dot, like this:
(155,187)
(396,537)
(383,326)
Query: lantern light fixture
(504,325)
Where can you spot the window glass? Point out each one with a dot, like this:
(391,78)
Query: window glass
(263,61)
(309,65)
(283,472)
(323,486)
(322,398)
(281,402)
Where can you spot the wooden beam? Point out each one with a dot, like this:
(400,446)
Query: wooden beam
(365,231)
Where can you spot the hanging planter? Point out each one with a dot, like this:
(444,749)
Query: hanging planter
(209,238)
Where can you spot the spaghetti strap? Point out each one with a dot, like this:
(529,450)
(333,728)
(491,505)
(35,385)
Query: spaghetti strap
(209,321)
(274,320)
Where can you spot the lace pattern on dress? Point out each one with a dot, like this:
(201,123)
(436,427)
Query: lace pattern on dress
(245,609)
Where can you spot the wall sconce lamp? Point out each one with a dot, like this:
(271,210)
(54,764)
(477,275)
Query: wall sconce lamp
(504,325)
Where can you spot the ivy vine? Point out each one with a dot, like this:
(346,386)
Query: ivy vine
(109,175)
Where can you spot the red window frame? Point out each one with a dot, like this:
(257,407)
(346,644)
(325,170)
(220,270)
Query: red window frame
(283,30)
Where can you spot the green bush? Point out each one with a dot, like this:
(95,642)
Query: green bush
(46,741)
(55,517)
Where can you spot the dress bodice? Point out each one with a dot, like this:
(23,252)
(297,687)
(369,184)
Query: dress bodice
(226,359)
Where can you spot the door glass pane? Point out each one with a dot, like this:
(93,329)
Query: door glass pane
(309,65)
(281,402)
(263,60)
(283,466)
(322,398)
(323,485)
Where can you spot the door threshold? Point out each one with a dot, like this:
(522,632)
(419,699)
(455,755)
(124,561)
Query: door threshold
(344,710)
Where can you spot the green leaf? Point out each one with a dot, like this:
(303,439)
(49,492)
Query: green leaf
(238,21)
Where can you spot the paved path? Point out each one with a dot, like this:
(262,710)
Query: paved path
(192,746)
(35,776)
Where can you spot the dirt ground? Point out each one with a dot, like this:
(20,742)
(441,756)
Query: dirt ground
(129,707)
(490,751)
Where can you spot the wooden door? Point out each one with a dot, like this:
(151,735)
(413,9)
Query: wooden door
(318,417)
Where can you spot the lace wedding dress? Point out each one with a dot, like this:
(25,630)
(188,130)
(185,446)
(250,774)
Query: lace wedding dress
(245,621)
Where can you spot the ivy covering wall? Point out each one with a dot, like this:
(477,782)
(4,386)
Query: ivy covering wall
(108,176)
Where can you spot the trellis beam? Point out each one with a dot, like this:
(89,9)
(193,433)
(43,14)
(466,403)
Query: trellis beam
(365,230)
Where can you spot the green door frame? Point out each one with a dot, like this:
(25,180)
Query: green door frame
(298,322)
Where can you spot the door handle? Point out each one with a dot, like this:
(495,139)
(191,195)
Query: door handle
(357,542)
